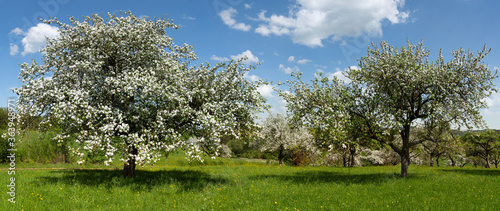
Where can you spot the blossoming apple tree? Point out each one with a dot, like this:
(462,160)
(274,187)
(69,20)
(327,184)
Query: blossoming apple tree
(279,136)
(393,90)
(120,85)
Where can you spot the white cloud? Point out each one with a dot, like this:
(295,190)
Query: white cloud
(248,54)
(219,59)
(320,66)
(248,6)
(492,113)
(36,36)
(300,61)
(251,77)
(310,22)
(188,18)
(266,90)
(250,57)
(227,17)
(303,61)
(14,49)
(276,54)
(493,101)
(17,31)
(339,74)
(241,27)
(288,70)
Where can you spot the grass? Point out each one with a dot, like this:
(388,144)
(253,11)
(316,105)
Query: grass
(233,184)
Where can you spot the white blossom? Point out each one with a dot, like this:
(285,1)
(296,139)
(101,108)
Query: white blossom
(120,85)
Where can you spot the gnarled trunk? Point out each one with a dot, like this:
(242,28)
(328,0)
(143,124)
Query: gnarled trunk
(405,163)
(432,161)
(405,150)
(129,167)
(487,161)
(281,155)
(453,163)
(352,153)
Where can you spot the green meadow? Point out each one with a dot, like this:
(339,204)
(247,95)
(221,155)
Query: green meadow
(236,184)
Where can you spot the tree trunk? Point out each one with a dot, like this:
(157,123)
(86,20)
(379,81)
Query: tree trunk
(281,155)
(352,153)
(405,163)
(344,159)
(129,167)
(405,150)
(437,161)
(432,161)
(453,164)
(488,161)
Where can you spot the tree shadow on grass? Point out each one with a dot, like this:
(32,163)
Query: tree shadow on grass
(336,177)
(480,171)
(143,180)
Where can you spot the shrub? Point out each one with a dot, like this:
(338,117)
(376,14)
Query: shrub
(41,148)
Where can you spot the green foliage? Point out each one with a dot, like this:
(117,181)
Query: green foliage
(243,149)
(238,147)
(484,144)
(4,118)
(4,145)
(40,147)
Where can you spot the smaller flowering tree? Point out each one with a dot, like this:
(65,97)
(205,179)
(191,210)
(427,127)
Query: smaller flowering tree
(120,85)
(319,105)
(278,136)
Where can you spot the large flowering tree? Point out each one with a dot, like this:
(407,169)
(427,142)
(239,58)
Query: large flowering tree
(392,91)
(120,85)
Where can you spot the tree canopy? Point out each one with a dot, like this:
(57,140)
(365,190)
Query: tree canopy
(393,88)
(120,85)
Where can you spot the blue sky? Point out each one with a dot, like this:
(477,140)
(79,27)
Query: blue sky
(283,35)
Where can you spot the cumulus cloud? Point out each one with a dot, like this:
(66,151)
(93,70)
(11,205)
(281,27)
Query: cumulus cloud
(227,17)
(288,70)
(36,36)
(251,77)
(14,49)
(248,6)
(248,54)
(219,59)
(266,90)
(492,113)
(300,61)
(493,101)
(17,31)
(250,57)
(310,22)
(339,74)
(303,61)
